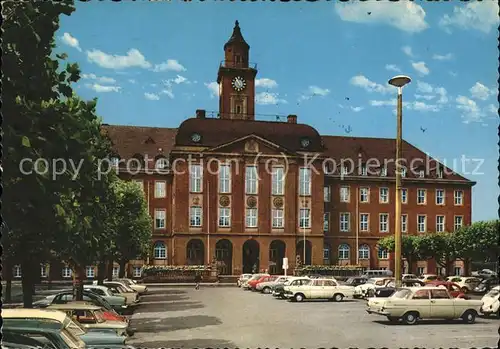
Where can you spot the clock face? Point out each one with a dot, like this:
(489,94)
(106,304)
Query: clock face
(304,142)
(195,137)
(239,83)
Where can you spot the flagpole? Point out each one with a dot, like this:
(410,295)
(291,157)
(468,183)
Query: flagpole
(208,222)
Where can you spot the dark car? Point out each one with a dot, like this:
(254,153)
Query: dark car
(390,288)
(279,289)
(485,285)
(355,281)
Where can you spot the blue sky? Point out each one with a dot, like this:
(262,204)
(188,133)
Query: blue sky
(154,64)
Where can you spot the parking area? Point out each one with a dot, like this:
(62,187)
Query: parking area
(230,317)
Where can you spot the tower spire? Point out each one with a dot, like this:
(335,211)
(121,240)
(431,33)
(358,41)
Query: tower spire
(236,37)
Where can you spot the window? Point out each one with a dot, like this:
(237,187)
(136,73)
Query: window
(160,217)
(326,193)
(326,253)
(224,179)
(344,222)
(459,197)
(160,189)
(116,271)
(326,222)
(115,161)
(305,181)
(363,170)
(457,271)
(384,222)
(421,174)
(439,224)
(421,223)
(383,171)
(421,294)
(404,223)
(439,173)
(195,216)
(364,194)
(140,183)
(439,197)
(67,272)
(364,221)
(278,182)
(43,270)
(160,251)
(224,217)
(382,253)
(421,196)
(343,170)
(345,194)
(403,171)
(404,195)
(384,195)
(459,220)
(238,107)
(17,271)
(251,218)
(440,294)
(136,272)
(364,252)
(305,218)
(195,178)
(251,180)
(161,163)
(344,251)
(420,270)
(278,218)
(90,271)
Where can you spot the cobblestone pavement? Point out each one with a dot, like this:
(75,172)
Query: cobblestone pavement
(231,317)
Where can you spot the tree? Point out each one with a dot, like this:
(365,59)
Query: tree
(439,246)
(408,248)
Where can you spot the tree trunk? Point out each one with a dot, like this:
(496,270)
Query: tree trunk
(467,266)
(110,268)
(27,284)
(78,283)
(101,270)
(122,268)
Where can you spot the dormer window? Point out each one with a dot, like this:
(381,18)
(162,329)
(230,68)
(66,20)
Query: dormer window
(237,58)
(403,171)
(161,163)
(363,170)
(383,171)
(439,173)
(114,161)
(343,170)
(421,174)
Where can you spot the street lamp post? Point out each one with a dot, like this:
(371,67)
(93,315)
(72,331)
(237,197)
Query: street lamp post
(398,81)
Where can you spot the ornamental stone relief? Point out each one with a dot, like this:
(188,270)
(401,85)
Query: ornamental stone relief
(224,201)
(251,202)
(278,202)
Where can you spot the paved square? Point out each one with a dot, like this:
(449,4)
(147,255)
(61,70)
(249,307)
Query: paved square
(230,317)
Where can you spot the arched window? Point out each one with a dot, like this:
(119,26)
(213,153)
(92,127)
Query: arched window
(364,251)
(160,251)
(344,251)
(382,253)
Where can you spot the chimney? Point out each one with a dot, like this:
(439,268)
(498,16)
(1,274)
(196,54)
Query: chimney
(200,113)
(292,119)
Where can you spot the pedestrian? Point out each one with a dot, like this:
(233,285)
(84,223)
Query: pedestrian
(197,280)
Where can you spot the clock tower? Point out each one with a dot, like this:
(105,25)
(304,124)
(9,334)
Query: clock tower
(236,79)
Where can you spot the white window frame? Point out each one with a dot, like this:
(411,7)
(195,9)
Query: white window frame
(364,171)
(225,179)
(404,195)
(278,215)
(305,218)
(420,270)
(195,216)
(457,271)
(363,250)
(383,224)
(364,225)
(343,250)
(440,226)
(66,272)
(421,174)
(439,173)
(160,250)
(367,194)
(136,272)
(345,193)
(403,171)
(458,200)
(195,179)
(327,193)
(160,189)
(382,253)
(44,270)
(224,217)
(419,224)
(161,163)
(343,171)
(304,181)
(440,199)
(326,222)
(116,271)
(278,180)
(345,222)
(17,272)
(251,220)
(383,172)
(404,223)
(383,198)
(160,217)
(251,178)
(455,225)
(420,191)
(90,271)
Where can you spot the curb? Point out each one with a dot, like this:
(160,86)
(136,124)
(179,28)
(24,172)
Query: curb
(188,285)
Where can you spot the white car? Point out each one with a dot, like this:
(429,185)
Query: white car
(267,286)
(414,303)
(484,273)
(466,283)
(363,290)
(141,289)
(491,302)
(319,289)
(243,278)
(428,278)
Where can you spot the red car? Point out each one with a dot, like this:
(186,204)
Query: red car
(252,284)
(452,288)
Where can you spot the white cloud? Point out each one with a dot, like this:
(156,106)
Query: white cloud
(443,95)
(392,67)
(424,87)
(101,79)
(408,51)
(101,88)
(169,65)
(132,81)
(470,109)
(421,106)
(265,98)
(267,83)
(370,86)
(377,103)
(318,91)
(492,109)
(151,96)
(420,67)
(445,57)
(357,109)
(71,41)
(482,16)
(168,92)
(213,88)
(133,58)
(180,79)
(479,91)
(404,15)
(426,97)
(429,92)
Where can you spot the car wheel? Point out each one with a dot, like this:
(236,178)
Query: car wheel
(410,318)
(266,290)
(469,317)
(337,297)
(299,297)
(464,290)
(392,318)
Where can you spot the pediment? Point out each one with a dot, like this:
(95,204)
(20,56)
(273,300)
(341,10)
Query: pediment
(251,144)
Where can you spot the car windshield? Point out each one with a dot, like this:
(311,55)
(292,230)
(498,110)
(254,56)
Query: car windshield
(402,294)
(255,277)
(371,281)
(99,315)
(74,327)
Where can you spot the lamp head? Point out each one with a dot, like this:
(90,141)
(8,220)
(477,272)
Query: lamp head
(399,80)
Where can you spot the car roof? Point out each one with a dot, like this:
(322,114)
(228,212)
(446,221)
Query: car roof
(23,313)
(74,306)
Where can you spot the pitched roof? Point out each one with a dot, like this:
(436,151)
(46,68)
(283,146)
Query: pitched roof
(237,37)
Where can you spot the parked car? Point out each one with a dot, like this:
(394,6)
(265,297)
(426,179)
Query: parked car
(354,281)
(374,273)
(266,286)
(92,317)
(243,277)
(453,289)
(121,289)
(319,289)
(279,289)
(390,287)
(485,285)
(368,288)
(413,304)
(141,289)
(430,278)
(269,278)
(485,273)
(409,276)
(466,283)
(117,301)
(251,283)
(491,302)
